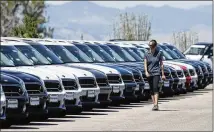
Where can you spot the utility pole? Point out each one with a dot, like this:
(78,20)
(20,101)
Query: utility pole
(81,36)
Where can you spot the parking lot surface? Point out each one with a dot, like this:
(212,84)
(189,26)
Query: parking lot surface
(190,112)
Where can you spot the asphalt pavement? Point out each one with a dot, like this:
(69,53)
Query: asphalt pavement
(189,112)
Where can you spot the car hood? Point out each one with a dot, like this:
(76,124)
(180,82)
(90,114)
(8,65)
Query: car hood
(43,74)
(7,79)
(105,69)
(24,76)
(96,73)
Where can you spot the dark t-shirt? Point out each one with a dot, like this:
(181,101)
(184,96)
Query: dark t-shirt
(154,62)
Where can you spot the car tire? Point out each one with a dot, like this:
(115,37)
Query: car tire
(5,124)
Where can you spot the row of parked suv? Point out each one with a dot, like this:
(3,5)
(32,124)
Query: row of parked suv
(41,78)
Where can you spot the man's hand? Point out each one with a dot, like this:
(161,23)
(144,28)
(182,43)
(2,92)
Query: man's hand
(163,77)
(147,74)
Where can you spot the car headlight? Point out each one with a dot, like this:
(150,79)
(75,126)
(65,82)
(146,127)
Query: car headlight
(1,111)
(24,108)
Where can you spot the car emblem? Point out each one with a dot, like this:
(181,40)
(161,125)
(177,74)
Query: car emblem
(47,77)
(85,74)
(110,71)
(6,80)
(63,75)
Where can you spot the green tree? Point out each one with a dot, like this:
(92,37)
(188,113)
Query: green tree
(27,18)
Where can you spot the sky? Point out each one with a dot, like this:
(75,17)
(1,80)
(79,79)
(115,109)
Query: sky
(124,4)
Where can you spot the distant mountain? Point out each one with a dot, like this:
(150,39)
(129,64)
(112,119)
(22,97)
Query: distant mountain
(94,21)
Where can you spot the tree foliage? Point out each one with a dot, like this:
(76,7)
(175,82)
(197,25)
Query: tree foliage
(27,18)
(132,27)
(184,39)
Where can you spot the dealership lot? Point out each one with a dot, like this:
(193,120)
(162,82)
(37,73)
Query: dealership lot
(190,112)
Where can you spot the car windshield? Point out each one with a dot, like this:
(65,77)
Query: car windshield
(5,62)
(16,56)
(102,53)
(176,51)
(62,53)
(78,53)
(33,55)
(138,52)
(172,54)
(133,54)
(47,53)
(112,53)
(195,51)
(90,53)
(165,54)
(124,54)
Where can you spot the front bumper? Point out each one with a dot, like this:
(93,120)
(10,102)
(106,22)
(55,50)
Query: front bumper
(117,92)
(41,108)
(56,102)
(90,97)
(21,111)
(72,100)
(104,96)
(129,91)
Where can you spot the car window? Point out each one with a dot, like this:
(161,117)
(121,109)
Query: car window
(195,51)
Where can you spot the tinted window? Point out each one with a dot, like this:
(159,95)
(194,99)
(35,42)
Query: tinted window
(102,53)
(78,53)
(48,54)
(33,54)
(90,53)
(112,53)
(62,53)
(123,54)
(16,56)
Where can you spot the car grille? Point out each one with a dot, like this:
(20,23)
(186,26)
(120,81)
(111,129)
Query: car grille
(167,75)
(127,78)
(69,84)
(174,75)
(137,78)
(114,78)
(87,82)
(53,86)
(186,73)
(33,88)
(198,71)
(203,69)
(12,90)
(192,73)
(102,82)
(180,74)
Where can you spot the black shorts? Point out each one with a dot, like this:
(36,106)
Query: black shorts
(154,84)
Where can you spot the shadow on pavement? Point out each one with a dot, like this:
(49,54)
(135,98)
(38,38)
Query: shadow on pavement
(40,124)
(101,110)
(56,120)
(117,107)
(20,127)
(76,116)
(88,113)
(168,110)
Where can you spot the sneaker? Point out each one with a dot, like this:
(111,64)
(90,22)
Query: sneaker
(155,108)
